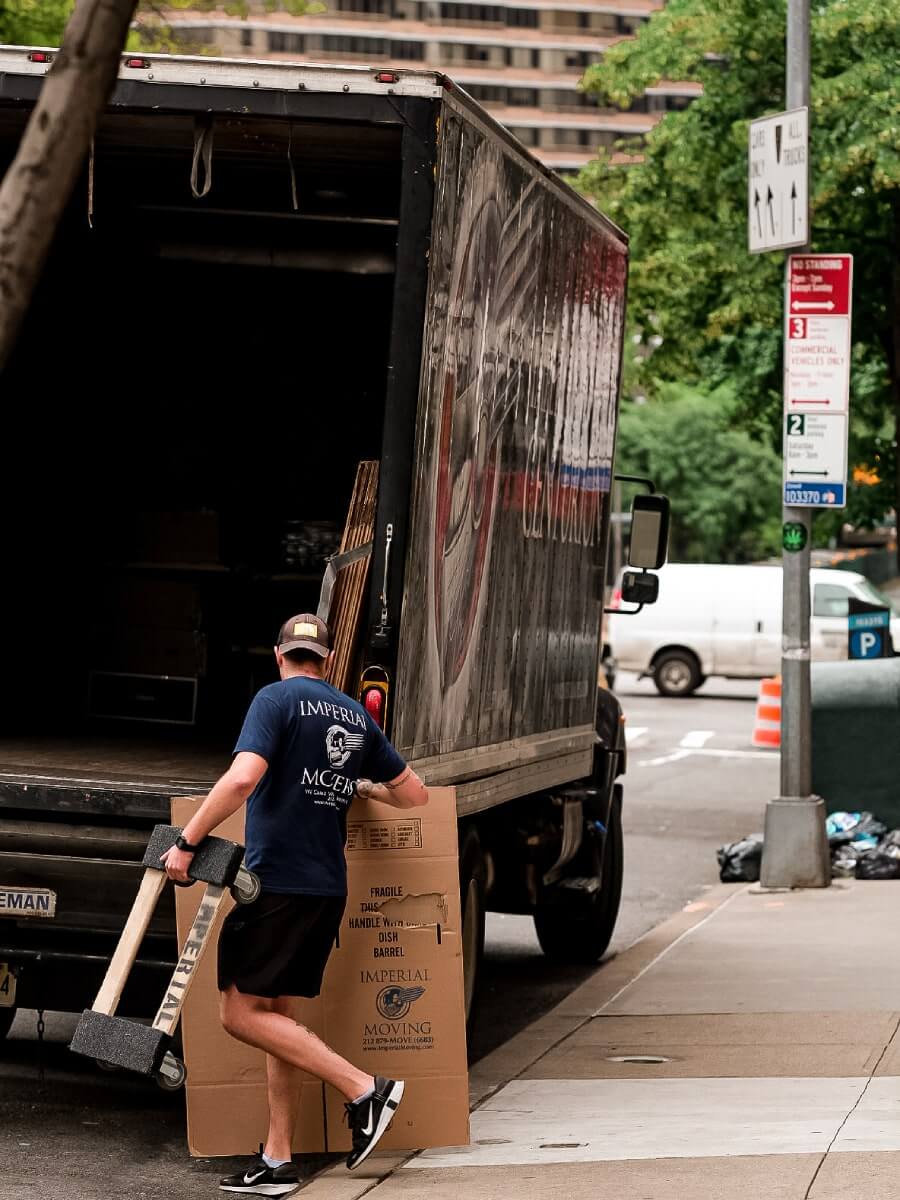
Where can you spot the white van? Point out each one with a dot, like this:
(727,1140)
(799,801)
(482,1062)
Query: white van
(713,619)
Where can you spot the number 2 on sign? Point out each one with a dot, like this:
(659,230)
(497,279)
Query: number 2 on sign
(798,327)
(796,425)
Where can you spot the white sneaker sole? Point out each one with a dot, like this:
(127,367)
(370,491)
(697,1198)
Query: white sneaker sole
(394,1096)
(262,1189)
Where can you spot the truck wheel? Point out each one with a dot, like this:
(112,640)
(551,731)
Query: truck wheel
(677,673)
(7,1016)
(582,937)
(472,877)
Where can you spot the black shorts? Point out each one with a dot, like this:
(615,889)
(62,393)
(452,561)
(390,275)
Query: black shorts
(279,944)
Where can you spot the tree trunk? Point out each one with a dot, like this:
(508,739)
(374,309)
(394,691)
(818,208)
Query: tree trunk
(37,185)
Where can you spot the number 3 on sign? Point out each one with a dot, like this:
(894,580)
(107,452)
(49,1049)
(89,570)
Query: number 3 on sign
(798,327)
(796,425)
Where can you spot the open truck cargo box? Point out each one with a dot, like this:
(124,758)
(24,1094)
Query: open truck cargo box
(377,271)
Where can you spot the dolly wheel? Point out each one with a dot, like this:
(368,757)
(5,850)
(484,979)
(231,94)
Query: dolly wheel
(246,887)
(172,1073)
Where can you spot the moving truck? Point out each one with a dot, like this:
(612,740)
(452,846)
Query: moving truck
(269,274)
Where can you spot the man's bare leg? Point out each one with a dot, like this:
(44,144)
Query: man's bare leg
(283,1088)
(253,1020)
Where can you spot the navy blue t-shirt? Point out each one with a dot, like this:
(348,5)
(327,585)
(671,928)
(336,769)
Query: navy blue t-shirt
(317,742)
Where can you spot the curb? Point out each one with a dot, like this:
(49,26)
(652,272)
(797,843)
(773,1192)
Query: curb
(612,977)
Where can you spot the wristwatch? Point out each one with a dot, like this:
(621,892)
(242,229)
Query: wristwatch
(181,844)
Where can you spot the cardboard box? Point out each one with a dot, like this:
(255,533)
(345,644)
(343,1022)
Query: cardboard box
(392,999)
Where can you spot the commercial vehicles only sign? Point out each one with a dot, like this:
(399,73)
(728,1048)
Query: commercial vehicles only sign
(817,379)
(778,179)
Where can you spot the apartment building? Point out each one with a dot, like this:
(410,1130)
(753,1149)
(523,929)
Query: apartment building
(522,59)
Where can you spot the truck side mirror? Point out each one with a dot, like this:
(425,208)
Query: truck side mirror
(649,533)
(640,587)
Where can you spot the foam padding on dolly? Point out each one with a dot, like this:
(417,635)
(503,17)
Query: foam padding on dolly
(123,1043)
(217,861)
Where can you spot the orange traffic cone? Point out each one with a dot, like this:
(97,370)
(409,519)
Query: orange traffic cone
(767,729)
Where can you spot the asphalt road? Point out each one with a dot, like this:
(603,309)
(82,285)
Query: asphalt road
(694,781)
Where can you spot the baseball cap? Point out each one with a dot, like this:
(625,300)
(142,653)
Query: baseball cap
(305,632)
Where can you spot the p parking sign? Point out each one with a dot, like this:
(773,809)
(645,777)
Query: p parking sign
(869,631)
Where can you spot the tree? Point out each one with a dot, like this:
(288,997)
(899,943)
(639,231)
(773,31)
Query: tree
(715,309)
(723,483)
(33,22)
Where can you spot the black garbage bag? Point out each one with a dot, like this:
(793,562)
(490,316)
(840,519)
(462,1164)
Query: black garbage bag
(739,862)
(878,865)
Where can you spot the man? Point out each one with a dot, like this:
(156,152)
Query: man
(304,750)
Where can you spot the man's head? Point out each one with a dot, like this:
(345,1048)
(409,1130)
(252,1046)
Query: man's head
(304,645)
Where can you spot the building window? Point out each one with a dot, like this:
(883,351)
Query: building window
(246,38)
(522,18)
(472,14)
(409,51)
(523,96)
(277,43)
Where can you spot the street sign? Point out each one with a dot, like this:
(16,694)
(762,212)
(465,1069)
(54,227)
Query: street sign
(869,630)
(778,183)
(818,301)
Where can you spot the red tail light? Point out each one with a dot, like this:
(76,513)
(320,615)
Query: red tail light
(373,703)
(616,601)
(387,77)
(40,56)
(374,687)
(138,64)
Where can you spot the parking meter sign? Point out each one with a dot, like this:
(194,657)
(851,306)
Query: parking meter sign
(869,631)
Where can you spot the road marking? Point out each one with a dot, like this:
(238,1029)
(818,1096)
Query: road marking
(535,1121)
(666,758)
(676,755)
(697,738)
(634,733)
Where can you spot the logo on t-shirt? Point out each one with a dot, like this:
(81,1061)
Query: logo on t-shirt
(340,744)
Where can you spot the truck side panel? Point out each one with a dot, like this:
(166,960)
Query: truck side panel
(514,444)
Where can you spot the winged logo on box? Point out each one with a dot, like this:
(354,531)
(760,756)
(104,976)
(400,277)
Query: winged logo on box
(394,1002)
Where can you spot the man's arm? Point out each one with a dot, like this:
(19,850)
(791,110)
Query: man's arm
(225,798)
(406,791)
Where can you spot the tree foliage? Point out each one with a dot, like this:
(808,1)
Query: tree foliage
(723,483)
(716,308)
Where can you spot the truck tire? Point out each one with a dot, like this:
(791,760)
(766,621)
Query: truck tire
(7,1016)
(472,878)
(677,673)
(569,937)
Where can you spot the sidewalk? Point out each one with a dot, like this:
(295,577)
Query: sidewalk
(749,1046)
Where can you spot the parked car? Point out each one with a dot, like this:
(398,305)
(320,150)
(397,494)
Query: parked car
(713,619)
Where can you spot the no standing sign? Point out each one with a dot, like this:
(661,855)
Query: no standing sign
(817,379)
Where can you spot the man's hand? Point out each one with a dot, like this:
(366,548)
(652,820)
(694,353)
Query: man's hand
(176,863)
(406,791)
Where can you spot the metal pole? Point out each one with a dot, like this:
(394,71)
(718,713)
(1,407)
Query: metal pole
(795,853)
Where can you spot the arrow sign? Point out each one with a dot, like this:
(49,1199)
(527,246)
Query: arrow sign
(807,474)
(808,305)
(777,179)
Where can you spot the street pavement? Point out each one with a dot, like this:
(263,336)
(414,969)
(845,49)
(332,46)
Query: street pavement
(80,1134)
(748,1046)
(694,782)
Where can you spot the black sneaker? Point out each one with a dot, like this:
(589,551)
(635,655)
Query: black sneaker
(261,1180)
(368,1119)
